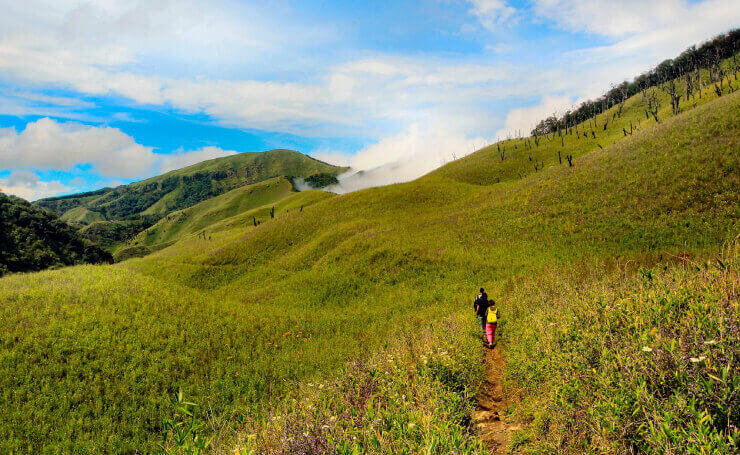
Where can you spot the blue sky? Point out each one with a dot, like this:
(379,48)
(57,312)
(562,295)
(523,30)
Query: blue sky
(106,92)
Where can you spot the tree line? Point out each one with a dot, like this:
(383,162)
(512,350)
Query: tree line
(33,239)
(707,56)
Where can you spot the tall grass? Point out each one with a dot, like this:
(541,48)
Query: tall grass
(632,361)
(91,357)
(415,397)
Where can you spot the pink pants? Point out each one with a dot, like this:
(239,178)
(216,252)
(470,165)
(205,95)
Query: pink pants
(491,332)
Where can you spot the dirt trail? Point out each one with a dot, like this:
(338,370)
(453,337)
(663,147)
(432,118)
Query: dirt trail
(489,416)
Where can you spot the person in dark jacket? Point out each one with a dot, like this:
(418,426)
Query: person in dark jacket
(480,305)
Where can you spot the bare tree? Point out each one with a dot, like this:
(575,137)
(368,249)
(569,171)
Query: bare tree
(671,88)
(653,104)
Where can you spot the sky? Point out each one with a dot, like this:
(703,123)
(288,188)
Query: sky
(102,93)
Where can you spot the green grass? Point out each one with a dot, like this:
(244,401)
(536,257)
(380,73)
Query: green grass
(236,208)
(81,215)
(92,356)
(185,187)
(628,361)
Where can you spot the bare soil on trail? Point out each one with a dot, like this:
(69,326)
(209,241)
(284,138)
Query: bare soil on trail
(489,416)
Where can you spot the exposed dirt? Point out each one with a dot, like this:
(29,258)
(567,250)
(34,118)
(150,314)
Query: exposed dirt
(489,414)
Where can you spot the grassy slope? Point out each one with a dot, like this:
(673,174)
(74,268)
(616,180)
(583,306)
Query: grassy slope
(81,215)
(485,166)
(161,197)
(235,320)
(219,213)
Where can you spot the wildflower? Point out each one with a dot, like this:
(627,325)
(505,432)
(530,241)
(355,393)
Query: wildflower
(698,359)
(412,426)
(647,349)
(710,342)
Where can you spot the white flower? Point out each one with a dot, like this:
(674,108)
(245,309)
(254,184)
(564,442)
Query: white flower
(647,349)
(699,359)
(711,342)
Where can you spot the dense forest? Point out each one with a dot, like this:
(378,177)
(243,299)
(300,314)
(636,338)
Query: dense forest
(33,239)
(321,180)
(688,65)
(110,233)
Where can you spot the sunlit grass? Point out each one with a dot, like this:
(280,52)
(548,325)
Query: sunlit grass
(91,357)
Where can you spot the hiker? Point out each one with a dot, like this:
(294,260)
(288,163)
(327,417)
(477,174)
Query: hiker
(480,305)
(492,317)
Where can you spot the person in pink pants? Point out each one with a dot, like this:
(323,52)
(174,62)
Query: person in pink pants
(492,317)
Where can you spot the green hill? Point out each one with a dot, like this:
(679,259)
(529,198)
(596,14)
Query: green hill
(184,187)
(121,213)
(239,207)
(81,215)
(346,327)
(32,239)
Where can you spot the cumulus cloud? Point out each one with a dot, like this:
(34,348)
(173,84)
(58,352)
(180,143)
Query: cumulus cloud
(48,144)
(95,48)
(28,185)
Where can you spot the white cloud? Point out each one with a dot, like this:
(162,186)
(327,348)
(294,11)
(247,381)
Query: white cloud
(194,56)
(670,30)
(401,157)
(27,185)
(48,144)
(521,121)
(629,17)
(492,13)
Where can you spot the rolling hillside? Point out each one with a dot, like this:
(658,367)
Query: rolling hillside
(184,187)
(115,215)
(346,327)
(239,207)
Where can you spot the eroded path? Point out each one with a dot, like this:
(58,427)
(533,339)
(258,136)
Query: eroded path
(491,403)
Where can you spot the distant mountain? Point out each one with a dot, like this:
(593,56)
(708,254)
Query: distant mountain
(33,239)
(185,187)
(240,207)
(115,215)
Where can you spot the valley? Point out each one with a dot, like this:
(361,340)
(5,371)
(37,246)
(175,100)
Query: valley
(244,316)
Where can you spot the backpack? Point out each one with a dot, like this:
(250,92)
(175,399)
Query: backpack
(492,317)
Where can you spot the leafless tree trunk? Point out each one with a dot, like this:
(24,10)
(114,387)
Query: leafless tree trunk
(671,89)
(653,104)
